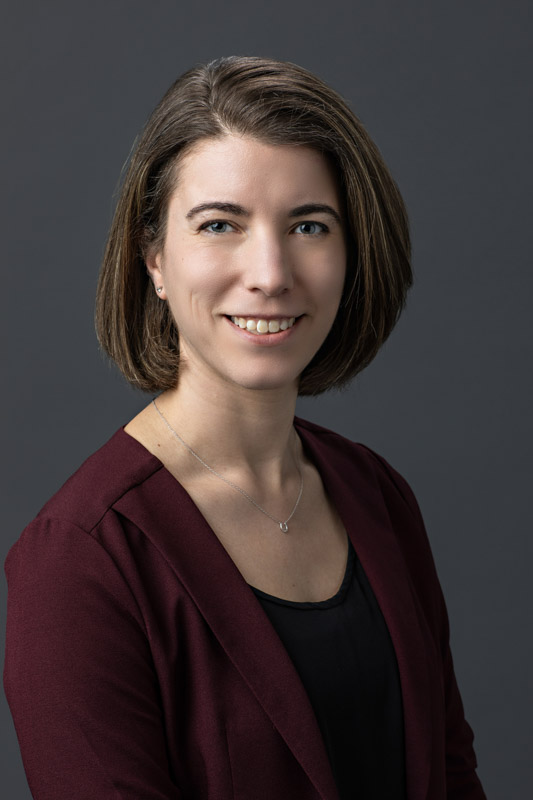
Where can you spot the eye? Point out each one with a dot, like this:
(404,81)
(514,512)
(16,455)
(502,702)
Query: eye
(216,226)
(311,228)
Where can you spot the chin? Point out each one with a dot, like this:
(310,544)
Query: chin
(270,382)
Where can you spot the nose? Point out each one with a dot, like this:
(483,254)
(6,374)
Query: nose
(268,268)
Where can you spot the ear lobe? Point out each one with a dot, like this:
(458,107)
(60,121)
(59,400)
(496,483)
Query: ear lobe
(153,268)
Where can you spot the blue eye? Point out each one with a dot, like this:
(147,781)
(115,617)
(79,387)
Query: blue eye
(311,228)
(216,226)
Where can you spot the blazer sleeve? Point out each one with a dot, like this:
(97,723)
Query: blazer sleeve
(78,673)
(462,782)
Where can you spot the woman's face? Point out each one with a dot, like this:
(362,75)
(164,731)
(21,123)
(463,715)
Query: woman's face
(254,241)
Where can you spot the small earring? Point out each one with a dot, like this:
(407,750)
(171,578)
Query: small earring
(159,289)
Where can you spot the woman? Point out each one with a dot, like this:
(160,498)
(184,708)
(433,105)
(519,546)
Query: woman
(224,601)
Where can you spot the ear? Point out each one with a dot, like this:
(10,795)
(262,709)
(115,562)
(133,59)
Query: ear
(153,268)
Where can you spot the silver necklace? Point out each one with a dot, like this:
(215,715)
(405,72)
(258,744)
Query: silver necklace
(284,525)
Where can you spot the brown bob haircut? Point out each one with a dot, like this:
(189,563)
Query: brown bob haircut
(282,104)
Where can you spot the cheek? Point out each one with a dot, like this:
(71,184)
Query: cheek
(330,277)
(194,278)
(341,262)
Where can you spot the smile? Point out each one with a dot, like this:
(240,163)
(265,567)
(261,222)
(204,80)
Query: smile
(262,326)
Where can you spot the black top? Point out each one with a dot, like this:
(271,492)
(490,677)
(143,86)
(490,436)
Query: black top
(343,653)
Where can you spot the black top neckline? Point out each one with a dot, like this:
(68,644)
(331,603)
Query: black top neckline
(331,602)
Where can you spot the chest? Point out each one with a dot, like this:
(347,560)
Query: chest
(307,563)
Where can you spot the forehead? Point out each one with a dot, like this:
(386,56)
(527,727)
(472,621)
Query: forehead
(246,169)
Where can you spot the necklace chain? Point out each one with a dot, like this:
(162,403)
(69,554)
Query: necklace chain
(284,526)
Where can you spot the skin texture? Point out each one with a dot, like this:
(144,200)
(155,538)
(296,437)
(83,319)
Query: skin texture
(264,263)
(275,250)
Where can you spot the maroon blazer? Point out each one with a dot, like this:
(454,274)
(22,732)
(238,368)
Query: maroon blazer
(140,664)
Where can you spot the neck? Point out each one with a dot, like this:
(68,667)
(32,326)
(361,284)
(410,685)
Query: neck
(237,429)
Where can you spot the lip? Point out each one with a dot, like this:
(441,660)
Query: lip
(264,339)
(268,317)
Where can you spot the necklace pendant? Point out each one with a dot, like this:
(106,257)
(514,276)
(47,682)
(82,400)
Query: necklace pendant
(284,527)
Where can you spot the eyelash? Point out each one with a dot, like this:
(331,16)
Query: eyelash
(206,225)
(323,228)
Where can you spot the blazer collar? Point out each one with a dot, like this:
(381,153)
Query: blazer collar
(237,620)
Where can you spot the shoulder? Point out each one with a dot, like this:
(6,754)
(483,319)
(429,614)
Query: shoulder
(360,460)
(118,467)
(77,531)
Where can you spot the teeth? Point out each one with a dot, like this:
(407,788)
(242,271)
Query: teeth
(260,326)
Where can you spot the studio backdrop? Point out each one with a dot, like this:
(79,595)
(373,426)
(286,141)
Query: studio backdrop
(444,88)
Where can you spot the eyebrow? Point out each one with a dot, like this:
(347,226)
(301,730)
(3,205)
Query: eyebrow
(228,208)
(314,208)
(240,211)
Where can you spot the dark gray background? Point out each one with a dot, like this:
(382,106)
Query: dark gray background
(444,88)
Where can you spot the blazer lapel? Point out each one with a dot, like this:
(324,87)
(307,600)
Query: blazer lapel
(358,498)
(166,513)
(169,518)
